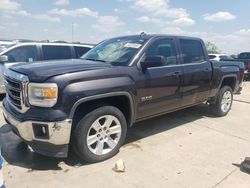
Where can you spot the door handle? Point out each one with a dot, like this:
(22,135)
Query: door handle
(177,74)
(206,70)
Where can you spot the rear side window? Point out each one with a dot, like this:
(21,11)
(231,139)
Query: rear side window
(23,54)
(51,52)
(192,51)
(80,51)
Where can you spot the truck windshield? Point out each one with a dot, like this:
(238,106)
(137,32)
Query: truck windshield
(117,51)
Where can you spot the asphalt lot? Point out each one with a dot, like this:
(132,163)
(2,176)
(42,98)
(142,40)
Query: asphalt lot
(189,148)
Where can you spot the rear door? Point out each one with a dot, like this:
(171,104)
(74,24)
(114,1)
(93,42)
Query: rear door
(197,71)
(163,84)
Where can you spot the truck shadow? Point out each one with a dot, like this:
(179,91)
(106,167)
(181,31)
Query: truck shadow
(16,152)
(2,97)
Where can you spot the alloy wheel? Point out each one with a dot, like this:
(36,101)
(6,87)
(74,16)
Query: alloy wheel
(226,101)
(104,135)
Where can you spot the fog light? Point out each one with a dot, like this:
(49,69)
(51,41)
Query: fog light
(41,131)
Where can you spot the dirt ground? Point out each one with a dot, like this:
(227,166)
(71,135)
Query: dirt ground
(189,148)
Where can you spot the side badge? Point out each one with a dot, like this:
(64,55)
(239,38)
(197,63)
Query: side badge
(147,98)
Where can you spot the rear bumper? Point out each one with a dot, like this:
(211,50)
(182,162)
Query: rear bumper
(47,138)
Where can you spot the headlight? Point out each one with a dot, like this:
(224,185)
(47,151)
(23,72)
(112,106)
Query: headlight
(42,95)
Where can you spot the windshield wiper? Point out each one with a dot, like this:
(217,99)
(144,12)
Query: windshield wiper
(94,60)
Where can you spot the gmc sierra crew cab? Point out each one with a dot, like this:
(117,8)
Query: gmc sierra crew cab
(89,103)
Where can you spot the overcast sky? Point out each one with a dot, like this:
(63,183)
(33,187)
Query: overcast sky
(223,22)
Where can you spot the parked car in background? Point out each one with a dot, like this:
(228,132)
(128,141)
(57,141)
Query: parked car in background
(6,42)
(219,57)
(91,101)
(13,54)
(244,57)
(4,47)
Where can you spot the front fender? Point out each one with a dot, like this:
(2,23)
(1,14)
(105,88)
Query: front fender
(103,96)
(77,93)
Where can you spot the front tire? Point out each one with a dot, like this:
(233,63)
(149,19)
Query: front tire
(100,134)
(223,102)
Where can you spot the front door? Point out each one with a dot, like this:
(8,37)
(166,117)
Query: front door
(163,84)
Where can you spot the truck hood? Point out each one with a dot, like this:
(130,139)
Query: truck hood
(41,71)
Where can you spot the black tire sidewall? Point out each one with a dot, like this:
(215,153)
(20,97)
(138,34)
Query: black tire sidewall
(82,128)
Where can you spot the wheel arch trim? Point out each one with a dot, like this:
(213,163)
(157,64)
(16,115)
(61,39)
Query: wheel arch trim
(214,98)
(103,96)
(229,76)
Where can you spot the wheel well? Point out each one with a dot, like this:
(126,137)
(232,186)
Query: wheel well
(229,81)
(120,102)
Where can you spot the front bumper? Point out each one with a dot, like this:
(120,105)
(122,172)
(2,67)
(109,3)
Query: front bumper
(47,138)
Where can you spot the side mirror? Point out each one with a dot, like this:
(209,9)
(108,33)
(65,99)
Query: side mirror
(4,58)
(152,61)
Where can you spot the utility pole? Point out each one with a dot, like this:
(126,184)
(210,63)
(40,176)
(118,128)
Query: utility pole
(72,34)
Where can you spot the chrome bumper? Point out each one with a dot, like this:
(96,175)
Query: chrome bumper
(58,132)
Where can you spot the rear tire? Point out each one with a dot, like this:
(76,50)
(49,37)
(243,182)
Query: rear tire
(100,134)
(223,102)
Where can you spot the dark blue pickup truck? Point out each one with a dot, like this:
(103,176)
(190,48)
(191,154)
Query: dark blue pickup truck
(245,58)
(90,102)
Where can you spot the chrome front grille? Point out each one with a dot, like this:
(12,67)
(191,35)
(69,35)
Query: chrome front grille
(16,90)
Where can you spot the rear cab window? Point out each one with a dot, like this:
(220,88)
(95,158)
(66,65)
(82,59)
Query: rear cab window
(192,51)
(53,52)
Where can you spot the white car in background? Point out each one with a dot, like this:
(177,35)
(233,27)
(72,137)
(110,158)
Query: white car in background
(13,54)
(218,57)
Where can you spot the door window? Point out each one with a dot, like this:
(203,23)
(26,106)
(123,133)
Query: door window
(80,51)
(23,54)
(165,48)
(192,51)
(51,52)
